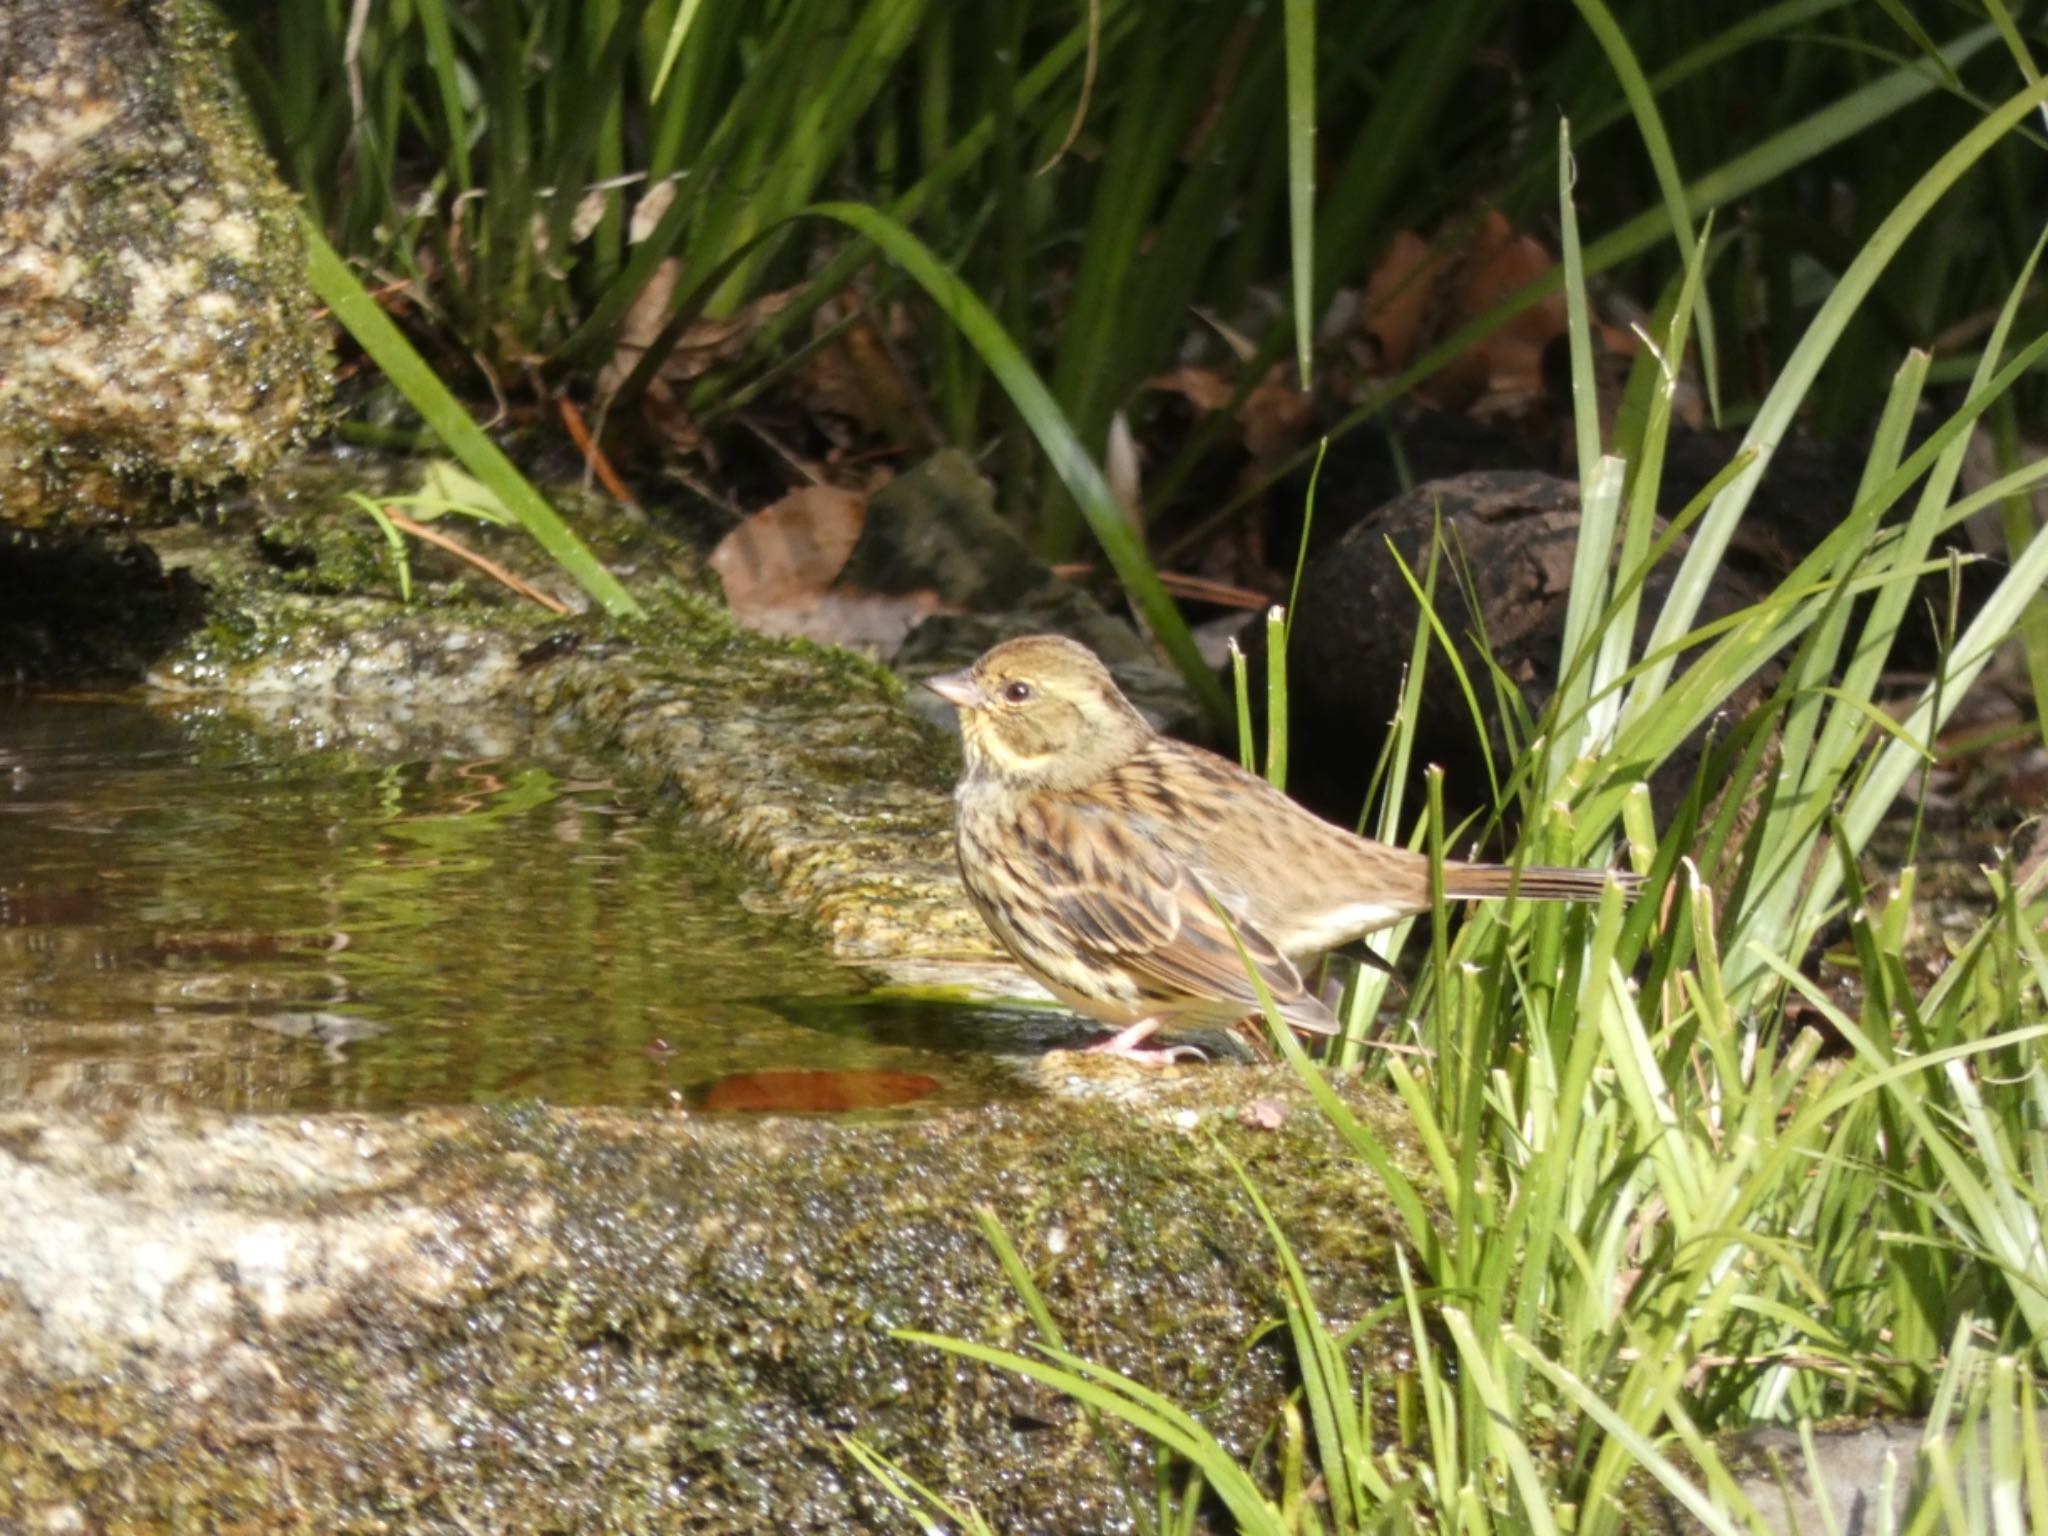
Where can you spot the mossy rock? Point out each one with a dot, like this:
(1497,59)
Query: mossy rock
(156,330)
(598,1322)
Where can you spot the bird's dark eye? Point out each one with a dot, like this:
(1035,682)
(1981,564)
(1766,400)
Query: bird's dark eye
(1017,693)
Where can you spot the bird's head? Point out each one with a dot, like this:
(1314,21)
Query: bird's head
(1041,712)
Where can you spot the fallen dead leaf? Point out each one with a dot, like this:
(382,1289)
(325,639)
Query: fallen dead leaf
(1276,417)
(788,554)
(1398,299)
(1203,388)
(855,375)
(780,568)
(1504,263)
(706,342)
(819,1091)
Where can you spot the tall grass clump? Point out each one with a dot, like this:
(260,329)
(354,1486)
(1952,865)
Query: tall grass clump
(1677,1186)
(522,182)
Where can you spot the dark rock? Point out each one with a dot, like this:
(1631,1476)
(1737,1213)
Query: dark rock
(1514,534)
(1369,467)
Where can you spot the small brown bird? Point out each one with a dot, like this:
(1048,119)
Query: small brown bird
(1099,850)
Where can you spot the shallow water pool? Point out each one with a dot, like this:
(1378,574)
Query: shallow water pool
(195,910)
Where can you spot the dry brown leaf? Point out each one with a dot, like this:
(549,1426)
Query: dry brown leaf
(787,555)
(855,376)
(1276,417)
(1203,388)
(779,568)
(1504,263)
(705,344)
(1398,299)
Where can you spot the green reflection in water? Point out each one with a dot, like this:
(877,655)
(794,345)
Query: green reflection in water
(194,911)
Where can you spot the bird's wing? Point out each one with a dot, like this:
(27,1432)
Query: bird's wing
(1144,911)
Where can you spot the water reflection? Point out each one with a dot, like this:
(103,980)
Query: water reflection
(193,911)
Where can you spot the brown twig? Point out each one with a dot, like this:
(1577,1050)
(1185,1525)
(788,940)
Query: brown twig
(1198,589)
(593,455)
(489,567)
(776,446)
(1087,89)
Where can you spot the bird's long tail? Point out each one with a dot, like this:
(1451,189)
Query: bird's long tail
(1469,882)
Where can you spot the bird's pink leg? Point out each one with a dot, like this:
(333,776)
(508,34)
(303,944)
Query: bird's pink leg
(1129,1044)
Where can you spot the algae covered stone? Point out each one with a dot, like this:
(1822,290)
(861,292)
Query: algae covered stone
(156,331)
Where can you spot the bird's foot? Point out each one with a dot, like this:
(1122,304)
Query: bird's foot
(1130,1045)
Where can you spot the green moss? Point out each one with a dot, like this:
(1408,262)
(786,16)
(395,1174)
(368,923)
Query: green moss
(292,353)
(328,552)
(693,1313)
(183,272)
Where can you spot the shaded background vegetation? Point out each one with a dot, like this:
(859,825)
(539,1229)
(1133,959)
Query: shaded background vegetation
(1104,175)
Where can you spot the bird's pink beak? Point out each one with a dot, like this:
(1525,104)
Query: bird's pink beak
(956,688)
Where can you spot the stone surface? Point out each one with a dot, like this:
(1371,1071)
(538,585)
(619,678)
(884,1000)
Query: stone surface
(156,331)
(1843,1485)
(597,1322)
(536,1320)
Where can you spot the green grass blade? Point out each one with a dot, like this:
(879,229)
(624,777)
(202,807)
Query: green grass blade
(1880,786)
(1642,102)
(1300,22)
(927,1507)
(1501,1417)
(1150,1413)
(448,84)
(1070,461)
(678,31)
(1696,1500)
(1578,326)
(1276,697)
(1019,1276)
(358,313)
(1344,1458)
(1774,421)
(1241,696)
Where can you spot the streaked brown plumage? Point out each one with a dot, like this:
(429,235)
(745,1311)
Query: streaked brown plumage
(1092,846)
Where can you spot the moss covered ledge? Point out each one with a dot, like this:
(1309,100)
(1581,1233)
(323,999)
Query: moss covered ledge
(550,1321)
(801,757)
